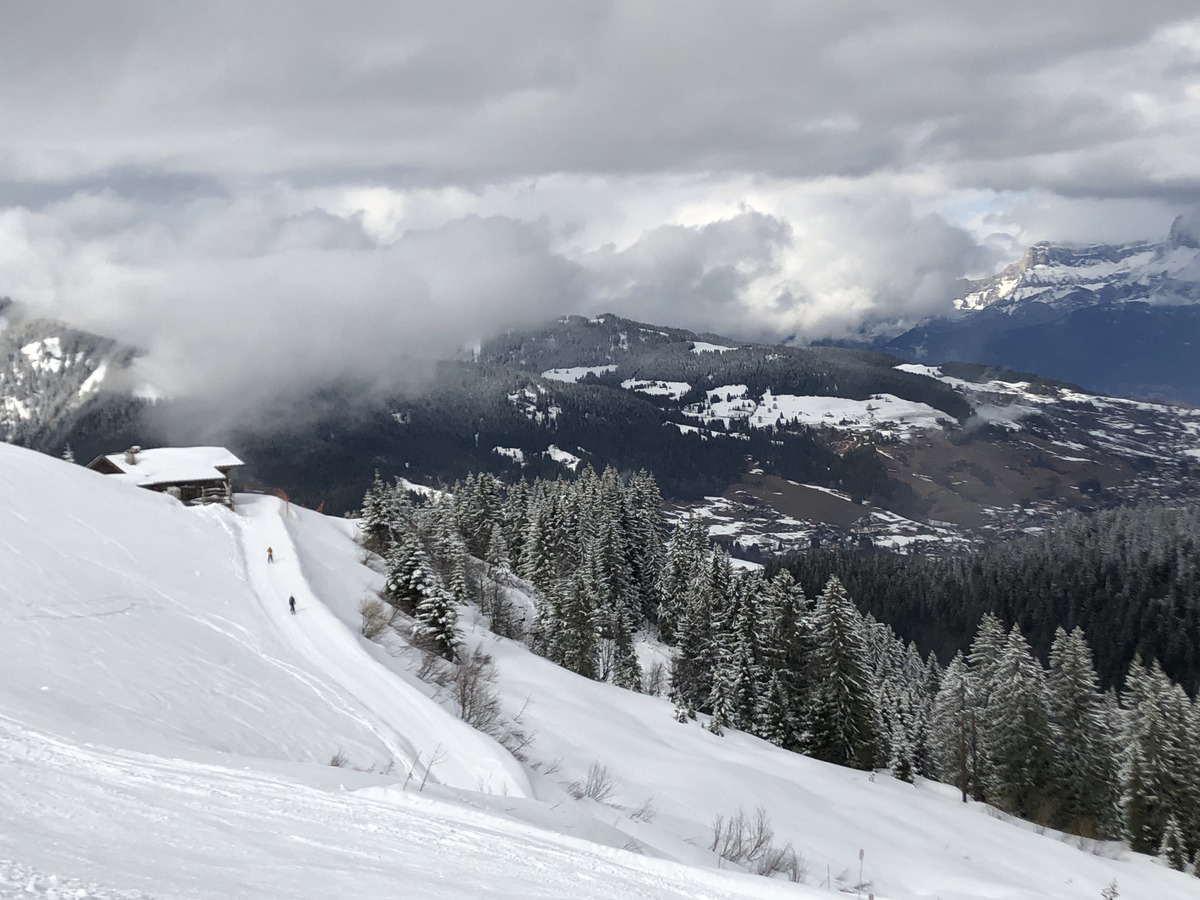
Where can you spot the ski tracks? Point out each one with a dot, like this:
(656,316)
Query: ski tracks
(409,724)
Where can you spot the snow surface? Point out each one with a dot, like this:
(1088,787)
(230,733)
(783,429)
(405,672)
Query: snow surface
(575,373)
(876,414)
(570,460)
(705,347)
(165,729)
(671,389)
(516,454)
(45,355)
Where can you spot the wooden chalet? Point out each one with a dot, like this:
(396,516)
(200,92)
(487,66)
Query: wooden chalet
(192,475)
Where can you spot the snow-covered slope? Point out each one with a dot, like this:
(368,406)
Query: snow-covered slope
(165,728)
(51,376)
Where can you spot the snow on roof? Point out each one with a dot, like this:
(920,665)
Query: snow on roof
(173,465)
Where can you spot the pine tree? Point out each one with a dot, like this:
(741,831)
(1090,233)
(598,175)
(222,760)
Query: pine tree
(1086,749)
(645,543)
(436,618)
(692,666)
(685,554)
(720,699)
(900,761)
(952,727)
(1019,738)
(1150,777)
(984,657)
(374,515)
(575,636)
(842,724)
(1171,849)
(403,562)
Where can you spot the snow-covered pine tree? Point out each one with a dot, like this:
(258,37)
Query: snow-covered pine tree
(786,646)
(515,521)
(1171,849)
(374,519)
(1020,740)
(1085,747)
(575,634)
(743,625)
(436,617)
(497,549)
(952,738)
(686,551)
(645,543)
(984,659)
(1150,778)
(403,561)
(692,667)
(842,715)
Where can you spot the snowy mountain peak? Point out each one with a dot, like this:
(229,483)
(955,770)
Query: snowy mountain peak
(1164,272)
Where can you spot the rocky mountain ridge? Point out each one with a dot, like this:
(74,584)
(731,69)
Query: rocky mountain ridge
(1122,319)
(1161,272)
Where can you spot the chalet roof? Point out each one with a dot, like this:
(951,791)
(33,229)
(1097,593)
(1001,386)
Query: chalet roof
(170,465)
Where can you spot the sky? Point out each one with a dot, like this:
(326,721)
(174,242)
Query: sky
(278,192)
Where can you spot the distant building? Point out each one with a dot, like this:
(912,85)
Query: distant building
(192,475)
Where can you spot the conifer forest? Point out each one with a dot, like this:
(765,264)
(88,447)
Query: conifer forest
(1045,676)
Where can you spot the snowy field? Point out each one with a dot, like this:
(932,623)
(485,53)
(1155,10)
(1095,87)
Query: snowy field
(575,373)
(166,729)
(881,413)
(672,389)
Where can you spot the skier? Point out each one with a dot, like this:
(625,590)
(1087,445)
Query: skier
(270,555)
(292,604)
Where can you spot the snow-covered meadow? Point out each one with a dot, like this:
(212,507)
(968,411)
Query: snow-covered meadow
(167,728)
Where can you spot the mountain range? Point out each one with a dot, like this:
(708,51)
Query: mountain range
(1118,319)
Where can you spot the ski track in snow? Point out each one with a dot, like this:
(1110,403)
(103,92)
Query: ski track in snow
(464,758)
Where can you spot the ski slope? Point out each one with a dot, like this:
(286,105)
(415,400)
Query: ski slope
(166,727)
(467,759)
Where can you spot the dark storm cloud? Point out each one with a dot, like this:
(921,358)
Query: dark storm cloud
(486,91)
(359,185)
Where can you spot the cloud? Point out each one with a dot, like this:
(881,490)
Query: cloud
(253,297)
(1007,97)
(276,193)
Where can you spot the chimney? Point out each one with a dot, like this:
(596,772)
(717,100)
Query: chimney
(131,455)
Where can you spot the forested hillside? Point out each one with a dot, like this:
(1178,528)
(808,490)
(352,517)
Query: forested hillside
(1130,578)
(797,663)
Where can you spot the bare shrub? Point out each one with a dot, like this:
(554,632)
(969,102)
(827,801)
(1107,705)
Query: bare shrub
(646,812)
(340,759)
(435,670)
(474,687)
(654,680)
(598,785)
(471,684)
(375,617)
(749,842)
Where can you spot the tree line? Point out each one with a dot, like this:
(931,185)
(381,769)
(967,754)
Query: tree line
(1129,577)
